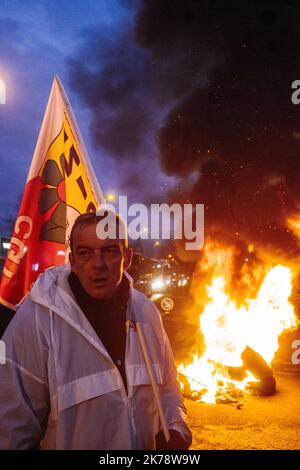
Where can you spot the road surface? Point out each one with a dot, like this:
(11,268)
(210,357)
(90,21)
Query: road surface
(262,422)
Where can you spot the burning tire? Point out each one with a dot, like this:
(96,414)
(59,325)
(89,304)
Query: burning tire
(254,363)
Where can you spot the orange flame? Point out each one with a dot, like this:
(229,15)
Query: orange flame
(228,330)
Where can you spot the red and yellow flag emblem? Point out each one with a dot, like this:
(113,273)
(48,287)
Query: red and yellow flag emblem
(60,186)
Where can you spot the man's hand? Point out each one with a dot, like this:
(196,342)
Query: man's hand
(176,441)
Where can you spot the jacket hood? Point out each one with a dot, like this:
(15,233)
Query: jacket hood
(52,290)
(44,290)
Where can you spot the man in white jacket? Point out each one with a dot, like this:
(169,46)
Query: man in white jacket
(75,376)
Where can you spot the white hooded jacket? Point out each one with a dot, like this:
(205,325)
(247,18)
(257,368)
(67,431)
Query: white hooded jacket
(59,386)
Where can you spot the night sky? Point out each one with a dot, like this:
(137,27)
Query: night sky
(39,39)
(177,100)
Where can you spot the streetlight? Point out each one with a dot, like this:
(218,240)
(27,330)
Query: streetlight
(111,197)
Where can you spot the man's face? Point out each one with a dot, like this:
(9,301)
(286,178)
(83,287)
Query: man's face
(99,264)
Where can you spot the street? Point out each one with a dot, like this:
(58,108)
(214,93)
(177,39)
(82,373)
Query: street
(262,422)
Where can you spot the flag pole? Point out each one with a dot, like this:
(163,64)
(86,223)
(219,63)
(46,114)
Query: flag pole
(99,194)
(150,372)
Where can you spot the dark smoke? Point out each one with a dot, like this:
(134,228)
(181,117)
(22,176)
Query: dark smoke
(235,125)
(128,92)
(113,81)
(212,81)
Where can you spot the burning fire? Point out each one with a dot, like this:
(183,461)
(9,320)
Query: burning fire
(228,330)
